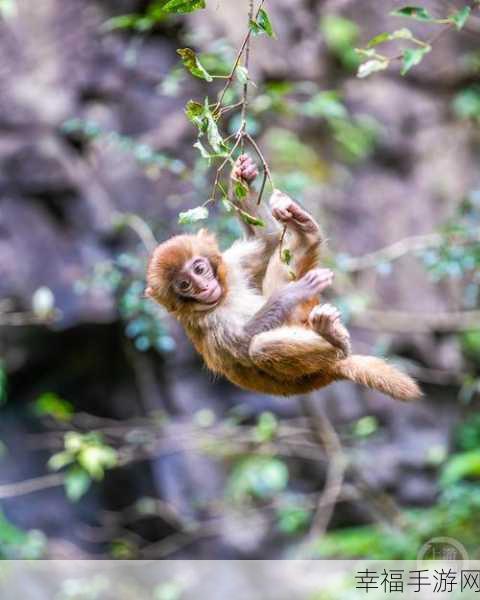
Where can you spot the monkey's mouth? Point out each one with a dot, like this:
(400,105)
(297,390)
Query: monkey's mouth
(211,296)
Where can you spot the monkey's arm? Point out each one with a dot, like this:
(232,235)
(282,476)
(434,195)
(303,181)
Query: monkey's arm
(254,252)
(243,174)
(280,305)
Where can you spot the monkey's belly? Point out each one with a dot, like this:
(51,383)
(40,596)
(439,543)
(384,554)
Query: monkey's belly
(254,380)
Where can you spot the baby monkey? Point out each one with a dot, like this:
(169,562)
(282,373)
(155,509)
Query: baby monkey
(246,316)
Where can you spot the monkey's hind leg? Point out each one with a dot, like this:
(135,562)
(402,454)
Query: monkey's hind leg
(292,352)
(325,320)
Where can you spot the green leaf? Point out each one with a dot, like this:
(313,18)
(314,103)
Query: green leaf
(402,34)
(341,36)
(460,466)
(73,441)
(466,103)
(266,428)
(286,256)
(399,34)
(8,9)
(53,406)
(77,481)
(121,22)
(227,205)
(293,519)
(240,189)
(200,213)
(203,151)
(251,220)
(412,57)
(262,24)
(471,343)
(259,477)
(214,138)
(183,6)
(59,460)
(201,116)
(194,111)
(242,74)
(365,426)
(461,17)
(371,66)
(413,12)
(192,64)
(96,459)
(325,104)
(379,39)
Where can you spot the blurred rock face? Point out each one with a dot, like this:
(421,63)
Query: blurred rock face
(58,202)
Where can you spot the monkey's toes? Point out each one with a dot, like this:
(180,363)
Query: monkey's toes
(279,205)
(324,318)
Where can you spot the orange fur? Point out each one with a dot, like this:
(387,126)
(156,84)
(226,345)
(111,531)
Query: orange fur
(291,359)
(169,257)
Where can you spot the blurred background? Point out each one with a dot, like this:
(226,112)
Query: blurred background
(115,442)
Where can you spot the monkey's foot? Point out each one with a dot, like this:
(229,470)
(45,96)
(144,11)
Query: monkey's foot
(325,320)
(245,169)
(288,212)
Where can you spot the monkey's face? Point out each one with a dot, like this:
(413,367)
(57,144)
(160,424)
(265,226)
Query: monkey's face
(186,274)
(197,281)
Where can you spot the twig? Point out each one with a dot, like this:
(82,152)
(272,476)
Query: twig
(405,246)
(265,166)
(243,47)
(223,165)
(280,245)
(409,322)
(140,227)
(326,437)
(243,114)
(28,486)
(16,319)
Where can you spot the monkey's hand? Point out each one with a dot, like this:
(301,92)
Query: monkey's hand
(313,283)
(280,305)
(244,169)
(288,212)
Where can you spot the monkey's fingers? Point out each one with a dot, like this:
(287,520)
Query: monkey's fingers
(250,172)
(281,215)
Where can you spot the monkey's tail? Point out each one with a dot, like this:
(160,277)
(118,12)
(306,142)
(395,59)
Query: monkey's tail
(375,373)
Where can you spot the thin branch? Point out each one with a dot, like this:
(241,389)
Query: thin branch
(265,166)
(405,246)
(28,486)
(243,114)
(140,227)
(17,319)
(410,322)
(243,48)
(326,437)
(223,165)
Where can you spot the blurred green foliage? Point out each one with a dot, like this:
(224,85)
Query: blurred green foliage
(87,457)
(454,515)
(51,405)
(257,477)
(341,36)
(124,277)
(16,544)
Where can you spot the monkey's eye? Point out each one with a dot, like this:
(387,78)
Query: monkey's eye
(199,268)
(184,285)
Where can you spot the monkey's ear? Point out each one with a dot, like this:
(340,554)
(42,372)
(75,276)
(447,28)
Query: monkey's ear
(203,233)
(148,293)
